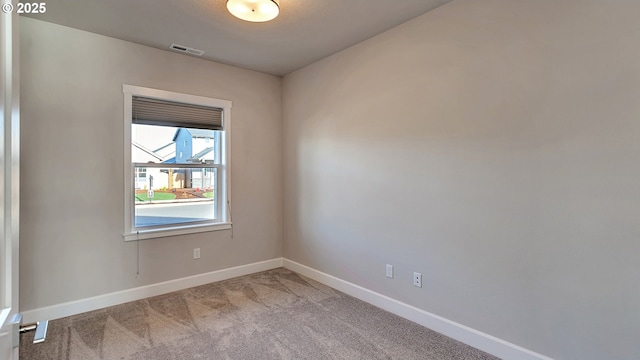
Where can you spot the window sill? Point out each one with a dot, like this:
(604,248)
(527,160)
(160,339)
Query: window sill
(174,231)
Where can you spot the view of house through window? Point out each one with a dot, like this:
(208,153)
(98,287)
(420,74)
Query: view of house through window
(175,173)
(177,163)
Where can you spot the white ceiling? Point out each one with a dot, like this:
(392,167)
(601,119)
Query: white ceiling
(305,30)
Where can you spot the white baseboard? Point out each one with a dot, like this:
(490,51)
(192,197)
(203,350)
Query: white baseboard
(465,334)
(120,297)
(487,343)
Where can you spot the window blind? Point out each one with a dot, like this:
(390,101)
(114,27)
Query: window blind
(167,113)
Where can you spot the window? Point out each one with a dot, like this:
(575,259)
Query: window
(176,163)
(140,178)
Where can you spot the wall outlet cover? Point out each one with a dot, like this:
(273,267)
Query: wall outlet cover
(417,279)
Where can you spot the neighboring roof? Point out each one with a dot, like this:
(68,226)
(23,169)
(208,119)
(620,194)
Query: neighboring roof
(170,161)
(205,134)
(198,157)
(195,133)
(150,152)
(163,147)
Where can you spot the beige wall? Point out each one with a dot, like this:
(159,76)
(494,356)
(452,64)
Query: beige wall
(493,146)
(72,165)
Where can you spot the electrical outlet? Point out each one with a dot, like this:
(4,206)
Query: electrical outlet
(196,253)
(417,279)
(390,271)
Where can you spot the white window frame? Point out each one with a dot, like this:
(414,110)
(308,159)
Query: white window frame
(224,220)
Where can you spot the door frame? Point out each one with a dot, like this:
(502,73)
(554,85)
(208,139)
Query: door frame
(10,181)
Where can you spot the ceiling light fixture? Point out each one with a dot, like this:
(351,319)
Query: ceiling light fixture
(254,10)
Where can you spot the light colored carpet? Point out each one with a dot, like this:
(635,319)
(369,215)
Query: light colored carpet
(276,314)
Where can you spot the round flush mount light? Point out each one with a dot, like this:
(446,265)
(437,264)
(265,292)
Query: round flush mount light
(254,10)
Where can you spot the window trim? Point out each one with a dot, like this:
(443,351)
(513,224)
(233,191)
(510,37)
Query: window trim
(130,233)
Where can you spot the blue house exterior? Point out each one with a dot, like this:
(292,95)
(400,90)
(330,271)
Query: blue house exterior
(186,142)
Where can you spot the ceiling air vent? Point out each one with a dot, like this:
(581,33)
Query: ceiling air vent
(186,49)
